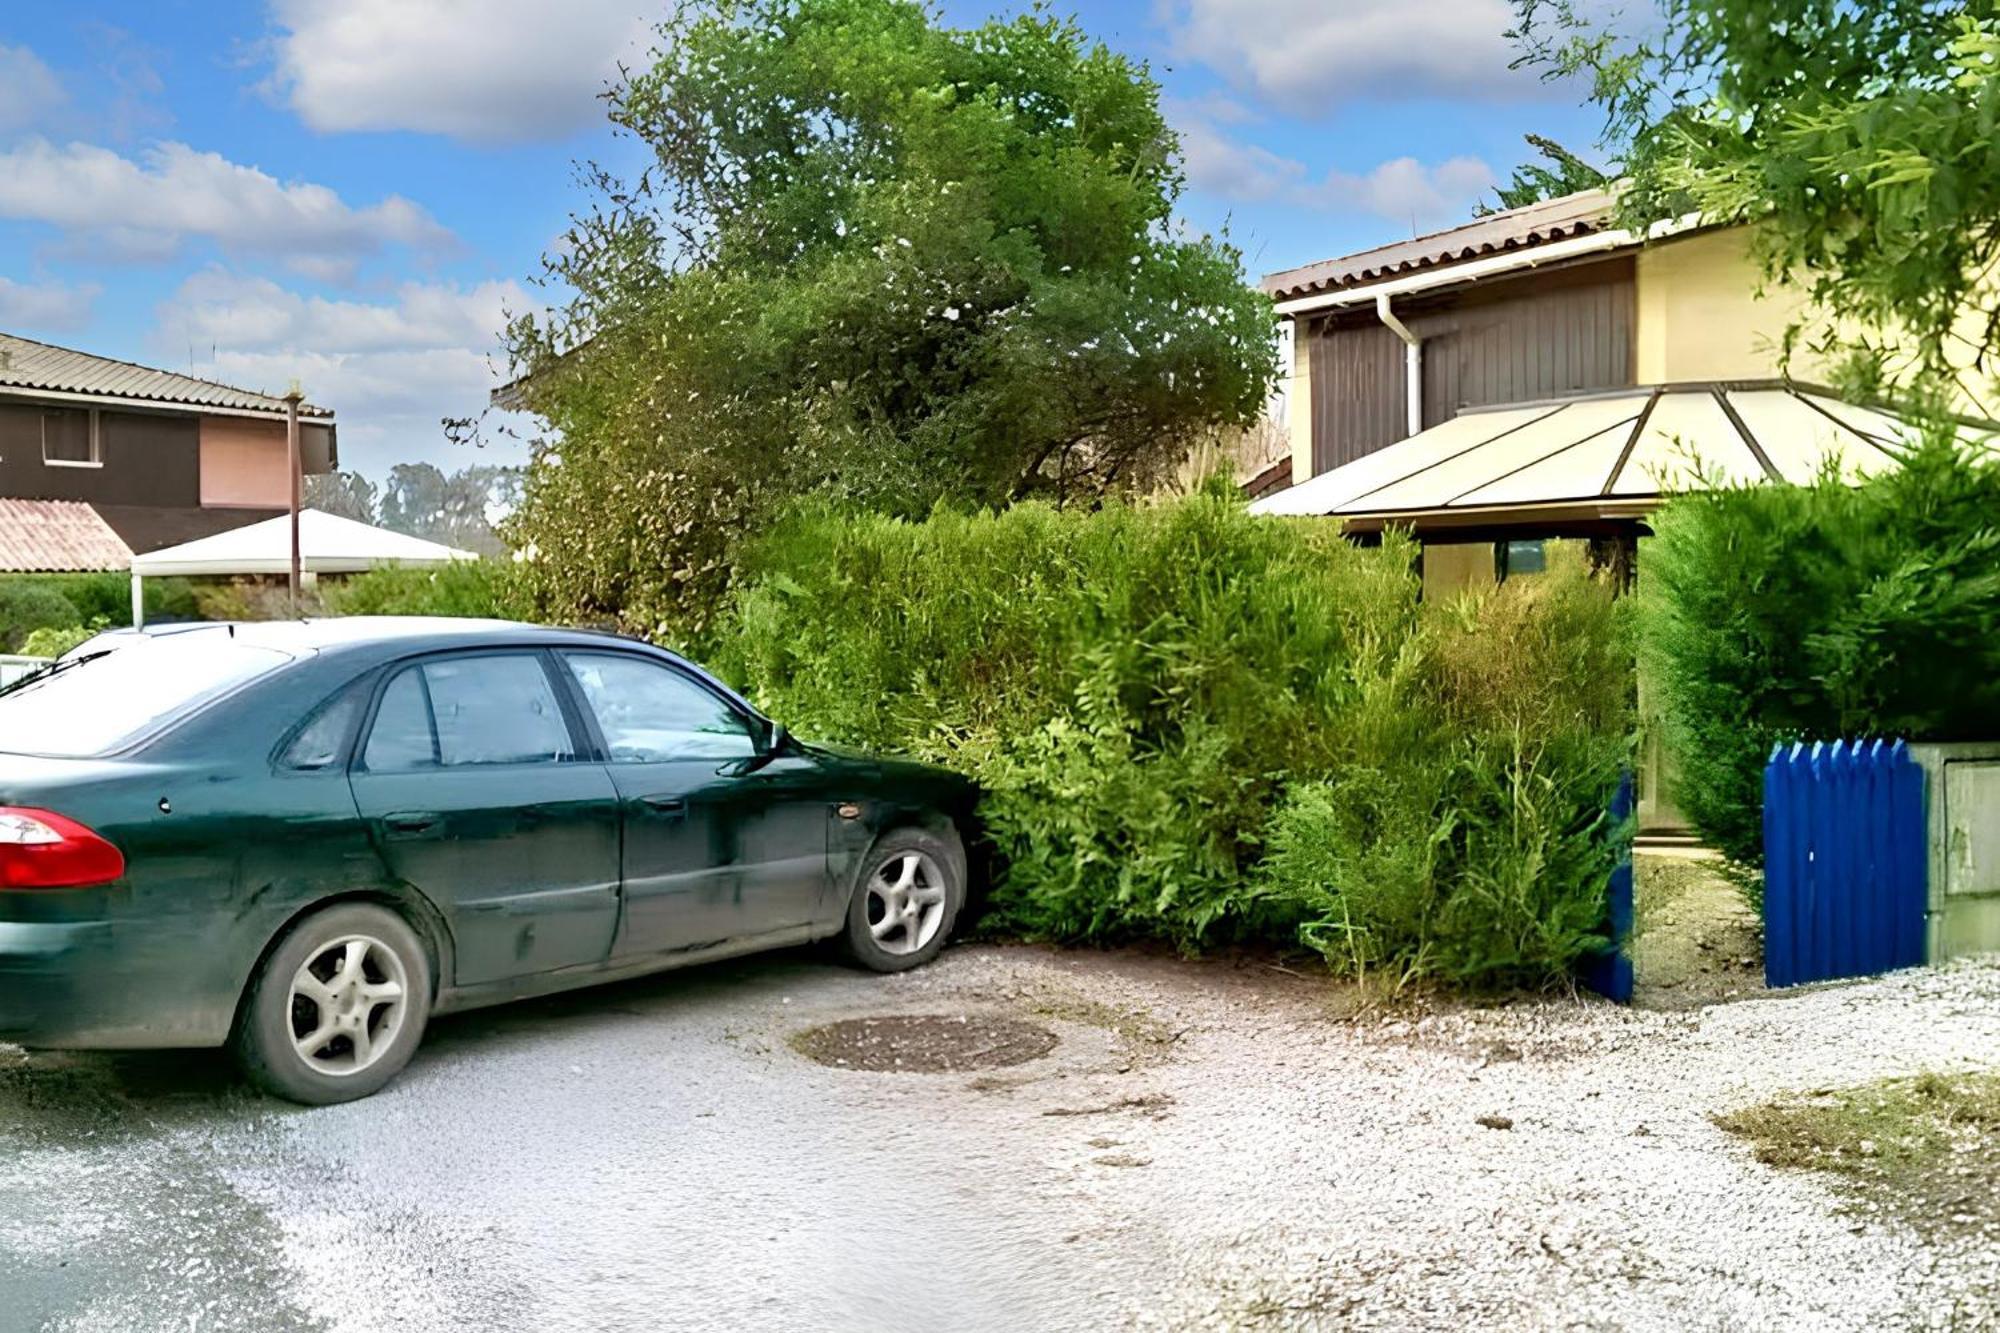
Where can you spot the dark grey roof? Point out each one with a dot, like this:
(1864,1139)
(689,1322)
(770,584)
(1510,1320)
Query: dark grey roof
(26,364)
(1515,229)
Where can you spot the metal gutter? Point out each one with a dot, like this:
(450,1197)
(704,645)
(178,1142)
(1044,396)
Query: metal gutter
(1413,364)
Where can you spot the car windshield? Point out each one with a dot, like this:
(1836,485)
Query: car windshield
(89,705)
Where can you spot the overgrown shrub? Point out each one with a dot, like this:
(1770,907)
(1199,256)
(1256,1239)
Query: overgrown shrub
(1469,834)
(1138,690)
(1783,612)
(27,605)
(107,597)
(477,588)
(50,641)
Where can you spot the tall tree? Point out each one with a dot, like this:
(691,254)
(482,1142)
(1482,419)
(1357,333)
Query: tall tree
(872,256)
(1863,140)
(457,509)
(348,494)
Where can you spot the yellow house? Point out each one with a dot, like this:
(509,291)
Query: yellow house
(1541,372)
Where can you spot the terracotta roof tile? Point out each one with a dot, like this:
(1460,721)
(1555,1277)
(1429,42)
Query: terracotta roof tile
(57,536)
(1515,229)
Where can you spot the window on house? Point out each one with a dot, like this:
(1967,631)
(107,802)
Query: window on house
(1529,557)
(70,438)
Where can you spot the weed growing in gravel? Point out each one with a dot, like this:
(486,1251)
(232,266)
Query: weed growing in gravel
(1927,1148)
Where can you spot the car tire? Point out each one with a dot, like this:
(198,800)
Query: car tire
(338,1008)
(905,901)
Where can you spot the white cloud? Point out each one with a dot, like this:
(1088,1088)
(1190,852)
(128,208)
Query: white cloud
(1306,56)
(248,314)
(28,88)
(173,193)
(1401,190)
(485,70)
(48,306)
(392,370)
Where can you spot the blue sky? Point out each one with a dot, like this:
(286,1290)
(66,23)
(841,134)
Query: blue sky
(350,193)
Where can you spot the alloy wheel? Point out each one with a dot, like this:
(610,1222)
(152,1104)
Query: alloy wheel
(905,902)
(347,1004)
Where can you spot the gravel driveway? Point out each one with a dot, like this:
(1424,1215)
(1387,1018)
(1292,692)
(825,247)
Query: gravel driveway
(1204,1146)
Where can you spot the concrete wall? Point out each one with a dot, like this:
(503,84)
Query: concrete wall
(1455,567)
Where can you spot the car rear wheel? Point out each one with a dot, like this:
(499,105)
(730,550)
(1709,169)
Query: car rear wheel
(906,900)
(338,1008)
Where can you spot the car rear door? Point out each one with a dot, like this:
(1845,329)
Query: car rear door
(721,840)
(478,789)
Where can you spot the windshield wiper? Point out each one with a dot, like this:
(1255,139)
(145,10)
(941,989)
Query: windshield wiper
(55,668)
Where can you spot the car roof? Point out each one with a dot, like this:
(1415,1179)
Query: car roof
(393,636)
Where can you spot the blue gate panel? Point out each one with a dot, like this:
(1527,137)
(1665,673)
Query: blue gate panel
(1610,973)
(1844,861)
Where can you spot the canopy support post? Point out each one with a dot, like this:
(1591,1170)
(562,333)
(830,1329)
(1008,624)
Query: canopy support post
(138,600)
(294,468)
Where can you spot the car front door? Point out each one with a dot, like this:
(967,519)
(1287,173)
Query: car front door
(478,791)
(721,840)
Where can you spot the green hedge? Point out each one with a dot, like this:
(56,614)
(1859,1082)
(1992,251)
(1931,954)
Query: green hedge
(478,588)
(1200,726)
(1782,612)
(30,602)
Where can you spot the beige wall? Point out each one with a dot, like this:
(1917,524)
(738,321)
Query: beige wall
(1701,316)
(1454,567)
(243,463)
(1299,406)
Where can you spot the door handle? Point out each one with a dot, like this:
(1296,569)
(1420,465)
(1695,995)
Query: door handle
(410,823)
(673,806)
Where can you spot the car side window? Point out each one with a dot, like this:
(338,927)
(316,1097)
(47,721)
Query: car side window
(402,738)
(319,742)
(469,710)
(648,711)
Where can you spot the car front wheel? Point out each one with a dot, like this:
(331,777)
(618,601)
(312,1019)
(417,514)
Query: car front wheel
(908,896)
(338,1008)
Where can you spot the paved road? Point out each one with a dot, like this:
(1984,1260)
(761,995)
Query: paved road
(1206,1146)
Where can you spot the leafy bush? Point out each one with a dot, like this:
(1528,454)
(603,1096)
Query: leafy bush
(477,588)
(1782,612)
(50,641)
(1138,689)
(26,606)
(107,597)
(1469,836)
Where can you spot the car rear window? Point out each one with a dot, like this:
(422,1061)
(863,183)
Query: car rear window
(93,705)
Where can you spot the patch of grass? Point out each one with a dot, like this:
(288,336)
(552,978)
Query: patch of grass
(1925,1148)
(1134,1027)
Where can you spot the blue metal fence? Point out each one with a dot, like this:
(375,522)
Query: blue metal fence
(1844,861)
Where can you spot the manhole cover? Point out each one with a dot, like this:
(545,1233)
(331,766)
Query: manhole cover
(925,1043)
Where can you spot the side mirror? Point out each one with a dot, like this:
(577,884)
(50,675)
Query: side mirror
(776,741)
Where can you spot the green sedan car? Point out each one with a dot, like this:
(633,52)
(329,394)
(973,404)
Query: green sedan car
(303,839)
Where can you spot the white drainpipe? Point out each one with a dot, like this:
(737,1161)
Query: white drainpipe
(1413,362)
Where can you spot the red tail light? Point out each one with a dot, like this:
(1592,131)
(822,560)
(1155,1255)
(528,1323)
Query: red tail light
(40,849)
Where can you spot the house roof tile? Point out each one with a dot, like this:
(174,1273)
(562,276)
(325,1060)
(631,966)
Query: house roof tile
(26,364)
(1515,229)
(57,536)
